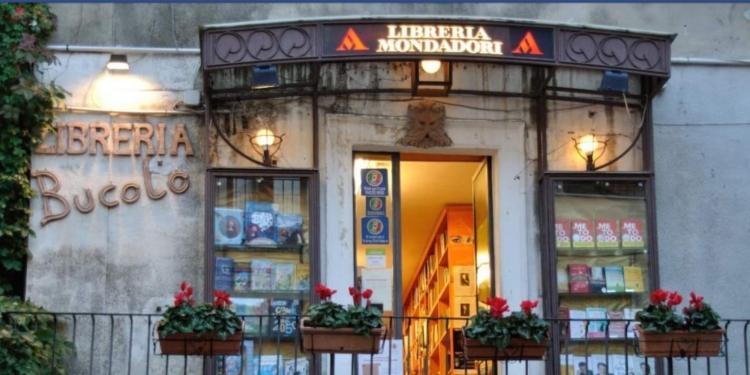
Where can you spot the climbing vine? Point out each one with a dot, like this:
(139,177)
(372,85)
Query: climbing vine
(26,110)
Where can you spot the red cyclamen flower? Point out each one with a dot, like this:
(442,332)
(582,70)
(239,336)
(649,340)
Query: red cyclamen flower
(498,306)
(352,291)
(696,301)
(20,11)
(527,305)
(659,296)
(222,299)
(674,299)
(324,292)
(367,293)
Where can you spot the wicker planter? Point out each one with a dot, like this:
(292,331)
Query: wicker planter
(339,340)
(203,345)
(680,343)
(517,349)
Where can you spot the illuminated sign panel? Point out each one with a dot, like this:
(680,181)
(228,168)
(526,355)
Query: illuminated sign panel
(438,39)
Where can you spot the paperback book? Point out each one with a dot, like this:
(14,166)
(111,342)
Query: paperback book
(299,366)
(261,274)
(284,276)
(284,315)
(583,233)
(241,277)
(577,324)
(260,223)
(578,275)
(303,277)
(270,364)
(633,279)
(615,279)
(606,234)
(562,234)
(228,226)
(629,314)
(598,285)
(632,233)
(563,284)
(250,311)
(289,229)
(597,322)
(616,324)
(223,274)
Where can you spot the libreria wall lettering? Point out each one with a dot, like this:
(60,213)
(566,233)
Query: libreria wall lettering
(115,139)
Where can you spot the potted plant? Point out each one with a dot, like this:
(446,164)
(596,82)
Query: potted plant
(664,333)
(206,329)
(492,336)
(332,328)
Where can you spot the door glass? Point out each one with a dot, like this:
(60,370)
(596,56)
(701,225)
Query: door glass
(483,230)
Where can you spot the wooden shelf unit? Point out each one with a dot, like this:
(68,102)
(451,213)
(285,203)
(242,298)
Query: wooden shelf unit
(428,343)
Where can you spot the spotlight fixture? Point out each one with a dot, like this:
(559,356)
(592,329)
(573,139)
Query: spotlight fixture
(265,76)
(431,66)
(614,81)
(118,63)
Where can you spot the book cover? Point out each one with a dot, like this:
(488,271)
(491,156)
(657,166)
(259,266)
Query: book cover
(248,351)
(464,281)
(296,367)
(617,365)
(303,277)
(228,226)
(583,233)
(284,276)
(615,279)
(564,314)
(289,229)
(284,315)
(224,274)
(597,322)
(260,223)
(241,277)
(616,324)
(563,284)
(632,233)
(250,311)
(578,275)
(567,365)
(269,364)
(562,234)
(629,314)
(577,324)
(464,308)
(633,279)
(261,272)
(597,283)
(607,234)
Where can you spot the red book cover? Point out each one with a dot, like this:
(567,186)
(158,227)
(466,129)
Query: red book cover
(583,233)
(632,233)
(578,275)
(562,233)
(607,234)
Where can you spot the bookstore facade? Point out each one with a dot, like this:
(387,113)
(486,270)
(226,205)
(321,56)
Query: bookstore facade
(436,161)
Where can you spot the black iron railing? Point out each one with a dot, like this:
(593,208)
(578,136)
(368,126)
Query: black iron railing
(271,345)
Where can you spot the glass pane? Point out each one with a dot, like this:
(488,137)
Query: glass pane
(260,241)
(602,271)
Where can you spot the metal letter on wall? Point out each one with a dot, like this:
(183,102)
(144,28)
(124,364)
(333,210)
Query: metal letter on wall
(426,126)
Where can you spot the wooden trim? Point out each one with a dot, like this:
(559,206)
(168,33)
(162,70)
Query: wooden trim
(442,157)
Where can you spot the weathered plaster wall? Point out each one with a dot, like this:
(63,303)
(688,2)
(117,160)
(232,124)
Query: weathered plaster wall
(715,30)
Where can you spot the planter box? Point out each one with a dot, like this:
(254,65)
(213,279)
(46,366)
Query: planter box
(517,349)
(203,345)
(680,343)
(339,340)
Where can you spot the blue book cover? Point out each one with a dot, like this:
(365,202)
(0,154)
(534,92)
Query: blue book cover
(223,274)
(284,315)
(260,223)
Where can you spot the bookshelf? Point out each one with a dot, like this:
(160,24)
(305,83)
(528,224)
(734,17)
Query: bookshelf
(259,250)
(444,286)
(601,251)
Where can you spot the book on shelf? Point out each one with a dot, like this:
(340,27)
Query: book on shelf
(289,229)
(597,322)
(250,311)
(284,276)
(284,315)
(261,274)
(463,307)
(464,281)
(562,234)
(228,226)
(564,314)
(300,366)
(563,284)
(582,233)
(632,233)
(616,325)
(633,279)
(567,365)
(241,277)
(260,223)
(629,314)
(607,236)
(459,362)
(615,279)
(270,364)
(303,277)
(442,243)
(577,324)
(233,365)
(224,274)
(446,275)
(578,275)
(597,283)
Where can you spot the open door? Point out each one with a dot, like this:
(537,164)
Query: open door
(482,202)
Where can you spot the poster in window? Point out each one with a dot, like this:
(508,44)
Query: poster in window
(374,183)
(375,206)
(228,228)
(375,231)
(464,281)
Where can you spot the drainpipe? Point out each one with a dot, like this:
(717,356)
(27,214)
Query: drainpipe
(124,50)
(707,61)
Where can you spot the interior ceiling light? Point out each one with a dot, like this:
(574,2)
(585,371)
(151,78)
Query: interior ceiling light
(431,66)
(118,62)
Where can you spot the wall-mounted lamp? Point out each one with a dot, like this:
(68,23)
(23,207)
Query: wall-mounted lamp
(266,143)
(265,76)
(614,81)
(118,63)
(431,66)
(587,146)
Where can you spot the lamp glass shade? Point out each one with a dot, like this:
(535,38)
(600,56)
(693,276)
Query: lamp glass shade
(431,66)
(118,62)
(264,138)
(588,144)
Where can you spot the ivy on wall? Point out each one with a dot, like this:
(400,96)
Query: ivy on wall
(26,110)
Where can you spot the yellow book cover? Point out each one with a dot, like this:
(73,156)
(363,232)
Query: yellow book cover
(633,279)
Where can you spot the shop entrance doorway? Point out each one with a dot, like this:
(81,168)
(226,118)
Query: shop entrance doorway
(424,240)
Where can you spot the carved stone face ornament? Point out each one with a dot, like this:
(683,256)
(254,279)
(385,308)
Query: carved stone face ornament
(426,126)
